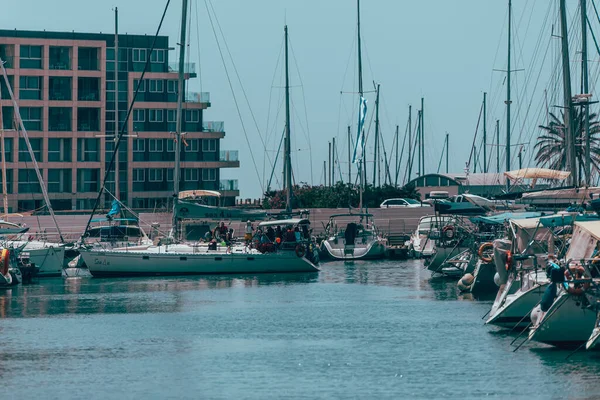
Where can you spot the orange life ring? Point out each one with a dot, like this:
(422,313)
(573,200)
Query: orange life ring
(579,271)
(508,260)
(483,248)
(4,261)
(448,231)
(300,250)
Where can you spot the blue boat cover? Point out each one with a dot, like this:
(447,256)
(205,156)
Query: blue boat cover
(566,219)
(502,218)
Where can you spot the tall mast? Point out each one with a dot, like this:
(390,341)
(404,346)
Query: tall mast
(409,142)
(288,159)
(419,138)
(349,156)
(178,127)
(363,167)
(498,146)
(376,166)
(396,181)
(584,73)
(508,101)
(484,133)
(423,135)
(447,147)
(117,191)
(4,188)
(571,161)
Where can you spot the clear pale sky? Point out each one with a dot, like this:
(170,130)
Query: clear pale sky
(442,50)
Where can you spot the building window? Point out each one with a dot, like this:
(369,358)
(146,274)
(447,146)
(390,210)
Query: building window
(139,175)
(191,174)
(30,88)
(59,150)
(172,86)
(192,115)
(87,180)
(139,55)
(170,146)
(209,145)
(88,89)
(155,145)
(156,86)
(32,118)
(209,174)
(142,85)
(155,175)
(8,151)
(31,57)
(87,149)
(139,145)
(88,119)
(139,115)
(60,57)
(169,175)
(155,115)
(59,88)
(59,180)
(28,181)
(157,56)
(88,58)
(192,145)
(59,119)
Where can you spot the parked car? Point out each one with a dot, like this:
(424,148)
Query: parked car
(402,203)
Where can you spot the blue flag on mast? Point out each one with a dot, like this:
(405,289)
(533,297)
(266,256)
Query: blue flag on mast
(360,139)
(115,209)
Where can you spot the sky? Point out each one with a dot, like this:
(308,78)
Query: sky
(443,51)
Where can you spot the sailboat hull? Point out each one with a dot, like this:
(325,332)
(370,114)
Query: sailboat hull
(515,308)
(369,251)
(132,263)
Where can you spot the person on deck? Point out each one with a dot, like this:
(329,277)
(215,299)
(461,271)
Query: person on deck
(248,232)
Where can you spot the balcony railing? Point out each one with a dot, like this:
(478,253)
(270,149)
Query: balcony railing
(188,68)
(228,184)
(228,155)
(213,126)
(197,97)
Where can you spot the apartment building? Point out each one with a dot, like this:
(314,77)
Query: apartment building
(69,89)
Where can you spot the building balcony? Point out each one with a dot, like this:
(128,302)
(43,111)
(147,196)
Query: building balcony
(197,97)
(188,68)
(228,155)
(228,184)
(213,126)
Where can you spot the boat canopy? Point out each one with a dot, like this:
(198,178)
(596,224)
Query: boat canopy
(189,210)
(564,219)
(568,195)
(352,215)
(536,173)
(584,243)
(502,218)
(530,236)
(459,209)
(114,220)
(192,194)
(526,223)
(291,221)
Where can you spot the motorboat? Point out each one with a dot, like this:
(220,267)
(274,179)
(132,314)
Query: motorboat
(352,236)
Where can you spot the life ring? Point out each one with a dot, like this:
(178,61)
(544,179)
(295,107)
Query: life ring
(4,261)
(508,260)
(300,250)
(448,231)
(579,271)
(481,251)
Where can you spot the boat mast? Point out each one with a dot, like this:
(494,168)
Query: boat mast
(288,160)
(484,134)
(116,137)
(179,123)
(349,156)
(498,146)
(397,165)
(584,73)
(4,190)
(422,114)
(571,161)
(447,147)
(409,142)
(30,150)
(363,163)
(508,101)
(376,166)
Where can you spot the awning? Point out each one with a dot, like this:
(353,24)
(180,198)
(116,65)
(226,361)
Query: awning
(537,173)
(186,194)
(566,219)
(502,218)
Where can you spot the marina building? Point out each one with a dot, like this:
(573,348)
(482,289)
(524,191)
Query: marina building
(73,100)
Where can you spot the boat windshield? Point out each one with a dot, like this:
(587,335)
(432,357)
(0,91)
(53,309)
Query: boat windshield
(427,224)
(108,233)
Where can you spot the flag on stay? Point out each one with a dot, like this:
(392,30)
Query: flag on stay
(360,139)
(114,210)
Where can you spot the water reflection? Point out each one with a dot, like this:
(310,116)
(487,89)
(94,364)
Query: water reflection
(131,295)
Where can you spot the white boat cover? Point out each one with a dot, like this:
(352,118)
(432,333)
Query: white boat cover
(584,241)
(537,173)
(576,195)
(187,194)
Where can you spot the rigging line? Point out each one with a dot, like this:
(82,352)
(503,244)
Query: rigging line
(475,137)
(414,145)
(124,125)
(198,46)
(235,99)
(239,81)
(305,111)
(276,157)
(267,135)
(401,153)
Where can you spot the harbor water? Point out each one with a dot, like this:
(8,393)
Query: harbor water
(383,330)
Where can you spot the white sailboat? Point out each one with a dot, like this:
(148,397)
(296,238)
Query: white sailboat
(357,238)
(188,259)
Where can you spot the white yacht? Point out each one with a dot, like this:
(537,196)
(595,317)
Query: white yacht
(355,238)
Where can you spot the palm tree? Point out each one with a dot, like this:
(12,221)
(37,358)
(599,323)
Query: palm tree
(551,146)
